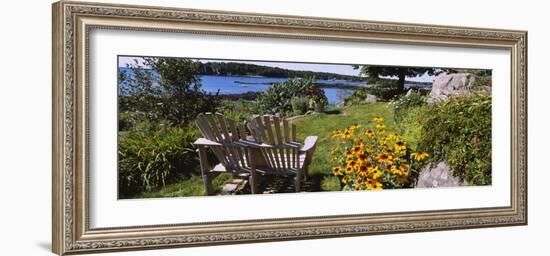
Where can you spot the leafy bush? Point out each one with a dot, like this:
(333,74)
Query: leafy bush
(150,158)
(459,132)
(137,120)
(358,96)
(410,124)
(277,99)
(481,80)
(402,105)
(299,105)
(239,110)
(169,90)
(383,89)
(317,95)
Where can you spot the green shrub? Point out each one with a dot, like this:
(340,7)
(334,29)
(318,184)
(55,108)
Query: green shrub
(358,96)
(317,95)
(402,105)
(299,105)
(384,90)
(459,132)
(410,125)
(481,80)
(276,100)
(331,183)
(239,110)
(150,158)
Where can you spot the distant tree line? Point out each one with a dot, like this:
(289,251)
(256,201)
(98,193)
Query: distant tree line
(242,69)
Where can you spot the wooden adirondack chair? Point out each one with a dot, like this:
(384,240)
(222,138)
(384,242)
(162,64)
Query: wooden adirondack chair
(280,150)
(227,140)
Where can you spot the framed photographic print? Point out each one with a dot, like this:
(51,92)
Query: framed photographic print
(179,127)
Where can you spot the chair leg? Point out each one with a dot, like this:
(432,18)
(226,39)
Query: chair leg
(298,181)
(306,175)
(207,182)
(253,179)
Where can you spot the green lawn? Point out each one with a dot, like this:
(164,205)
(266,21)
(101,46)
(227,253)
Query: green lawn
(320,125)
(189,187)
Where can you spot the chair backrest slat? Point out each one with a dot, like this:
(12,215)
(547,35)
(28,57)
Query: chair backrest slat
(280,134)
(288,151)
(217,128)
(276,124)
(268,126)
(296,153)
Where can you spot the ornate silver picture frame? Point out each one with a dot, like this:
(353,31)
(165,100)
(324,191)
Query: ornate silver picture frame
(74,21)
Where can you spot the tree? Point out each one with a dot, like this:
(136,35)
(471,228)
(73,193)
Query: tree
(375,73)
(181,94)
(165,89)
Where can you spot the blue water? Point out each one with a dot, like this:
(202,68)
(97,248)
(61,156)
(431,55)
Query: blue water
(241,84)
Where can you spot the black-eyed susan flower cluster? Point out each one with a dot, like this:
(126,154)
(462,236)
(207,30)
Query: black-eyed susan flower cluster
(370,158)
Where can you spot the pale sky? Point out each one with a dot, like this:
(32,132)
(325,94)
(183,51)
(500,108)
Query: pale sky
(330,68)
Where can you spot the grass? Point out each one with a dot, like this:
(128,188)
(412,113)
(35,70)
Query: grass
(320,125)
(188,187)
(323,124)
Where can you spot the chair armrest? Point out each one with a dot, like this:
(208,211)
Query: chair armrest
(239,143)
(206,142)
(309,143)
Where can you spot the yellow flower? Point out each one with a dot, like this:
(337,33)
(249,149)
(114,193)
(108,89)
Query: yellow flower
(381,131)
(420,155)
(337,171)
(402,178)
(370,184)
(394,170)
(384,158)
(404,168)
(349,153)
(372,169)
(357,150)
(349,170)
(346,135)
(380,126)
(354,126)
(374,184)
(393,136)
(345,179)
(376,173)
(363,170)
(378,186)
(378,119)
(363,158)
(352,163)
(369,134)
(400,146)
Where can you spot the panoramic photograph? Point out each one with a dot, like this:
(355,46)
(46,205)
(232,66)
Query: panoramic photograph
(207,127)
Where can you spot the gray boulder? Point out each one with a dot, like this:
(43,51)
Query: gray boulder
(438,176)
(446,85)
(371,98)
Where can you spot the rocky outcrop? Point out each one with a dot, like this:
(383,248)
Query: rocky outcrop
(446,85)
(438,176)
